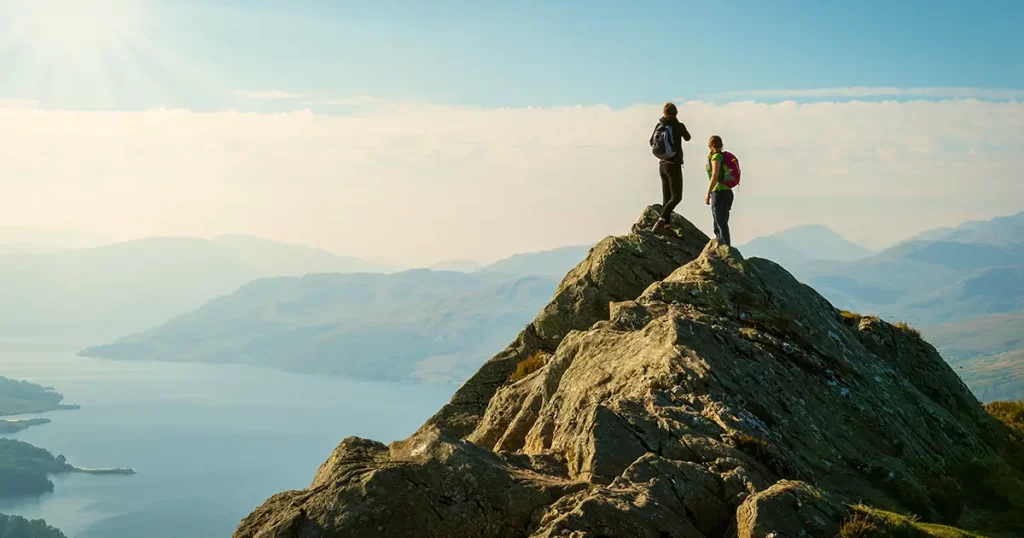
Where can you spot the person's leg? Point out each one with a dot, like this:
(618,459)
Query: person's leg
(721,206)
(675,176)
(665,171)
(715,216)
(727,233)
(666,185)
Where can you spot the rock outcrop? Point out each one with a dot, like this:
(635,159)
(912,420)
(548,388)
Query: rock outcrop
(687,393)
(616,269)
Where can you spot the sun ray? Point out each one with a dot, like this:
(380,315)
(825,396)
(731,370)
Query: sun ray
(66,51)
(184,69)
(134,60)
(72,28)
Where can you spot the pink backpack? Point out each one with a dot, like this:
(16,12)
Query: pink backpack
(731,175)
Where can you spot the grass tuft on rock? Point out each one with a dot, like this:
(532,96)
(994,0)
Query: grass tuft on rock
(858,526)
(851,319)
(528,366)
(1011,415)
(868,522)
(904,326)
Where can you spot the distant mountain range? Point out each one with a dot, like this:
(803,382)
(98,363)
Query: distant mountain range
(79,295)
(1003,231)
(946,278)
(423,325)
(803,244)
(464,266)
(434,324)
(416,325)
(554,263)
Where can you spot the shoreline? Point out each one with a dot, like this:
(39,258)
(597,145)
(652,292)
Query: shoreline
(22,424)
(60,407)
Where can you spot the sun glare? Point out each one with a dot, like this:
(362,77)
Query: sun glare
(69,28)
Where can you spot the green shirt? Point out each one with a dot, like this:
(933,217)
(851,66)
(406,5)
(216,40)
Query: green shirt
(726,173)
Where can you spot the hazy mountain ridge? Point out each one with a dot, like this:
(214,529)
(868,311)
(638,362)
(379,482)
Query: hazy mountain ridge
(276,258)
(105,292)
(805,243)
(420,324)
(926,281)
(424,321)
(553,263)
(1004,230)
(465,266)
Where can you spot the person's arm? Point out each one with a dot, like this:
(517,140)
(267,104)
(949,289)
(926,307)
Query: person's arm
(716,166)
(685,133)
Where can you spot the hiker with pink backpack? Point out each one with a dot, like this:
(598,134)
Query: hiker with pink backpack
(724,172)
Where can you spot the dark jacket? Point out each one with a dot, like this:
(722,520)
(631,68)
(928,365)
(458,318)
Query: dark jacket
(679,134)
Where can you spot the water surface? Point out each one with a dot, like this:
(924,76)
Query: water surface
(209,442)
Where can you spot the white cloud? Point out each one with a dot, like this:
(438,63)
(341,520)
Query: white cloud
(424,182)
(997,94)
(309,99)
(354,101)
(269,95)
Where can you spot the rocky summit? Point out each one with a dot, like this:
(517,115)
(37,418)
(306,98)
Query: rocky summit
(680,390)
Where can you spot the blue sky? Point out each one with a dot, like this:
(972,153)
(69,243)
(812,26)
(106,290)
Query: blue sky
(538,53)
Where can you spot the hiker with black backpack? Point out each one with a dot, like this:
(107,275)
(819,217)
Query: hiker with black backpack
(667,145)
(724,174)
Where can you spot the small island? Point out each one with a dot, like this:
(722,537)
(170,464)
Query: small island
(21,397)
(116,470)
(24,469)
(16,425)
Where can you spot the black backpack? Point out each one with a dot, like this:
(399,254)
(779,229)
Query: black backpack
(661,142)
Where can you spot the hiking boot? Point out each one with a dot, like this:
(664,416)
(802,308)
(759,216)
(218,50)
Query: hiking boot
(662,228)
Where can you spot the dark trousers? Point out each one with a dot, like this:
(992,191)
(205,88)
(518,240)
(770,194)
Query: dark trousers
(671,188)
(721,205)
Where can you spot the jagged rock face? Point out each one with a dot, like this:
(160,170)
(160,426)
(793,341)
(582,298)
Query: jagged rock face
(616,269)
(686,395)
(790,508)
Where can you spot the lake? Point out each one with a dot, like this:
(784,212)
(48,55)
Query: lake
(209,442)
